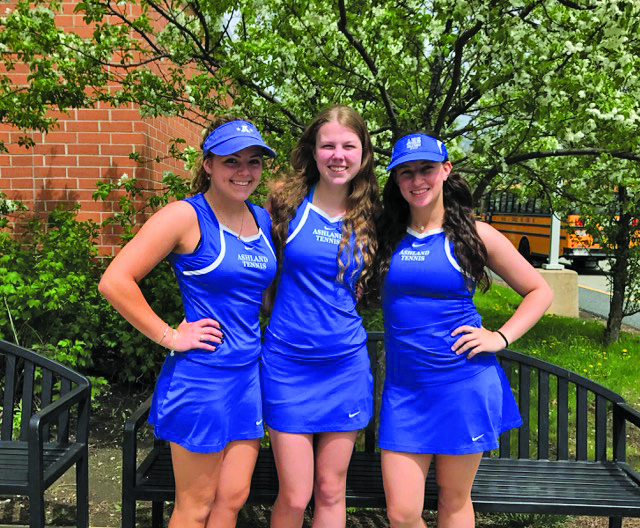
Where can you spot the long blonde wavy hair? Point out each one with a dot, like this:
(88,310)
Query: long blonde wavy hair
(362,201)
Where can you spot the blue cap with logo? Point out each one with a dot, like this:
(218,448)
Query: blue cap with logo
(417,147)
(234,136)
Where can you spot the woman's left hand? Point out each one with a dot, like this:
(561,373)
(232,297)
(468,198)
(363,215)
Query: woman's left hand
(476,340)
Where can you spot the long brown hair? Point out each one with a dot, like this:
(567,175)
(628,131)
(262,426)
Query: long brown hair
(458,225)
(362,202)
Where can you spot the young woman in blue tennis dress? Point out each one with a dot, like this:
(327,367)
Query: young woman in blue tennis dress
(207,400)
(445,397)
(316,379)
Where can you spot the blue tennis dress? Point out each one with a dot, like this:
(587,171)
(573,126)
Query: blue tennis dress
(315,368)
(434,401)
(204,400)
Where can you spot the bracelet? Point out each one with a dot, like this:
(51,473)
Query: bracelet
(164,334)
(173,341)
(506,341)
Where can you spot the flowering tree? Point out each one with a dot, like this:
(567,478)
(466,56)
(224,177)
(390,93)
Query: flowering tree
(542,92)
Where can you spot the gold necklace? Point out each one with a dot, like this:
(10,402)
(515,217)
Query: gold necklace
(218,213)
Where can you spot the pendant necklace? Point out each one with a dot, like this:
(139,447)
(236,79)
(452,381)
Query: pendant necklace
(217,213)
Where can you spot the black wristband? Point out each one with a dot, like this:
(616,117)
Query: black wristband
(506,342)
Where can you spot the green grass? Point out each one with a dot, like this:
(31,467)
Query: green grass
(574,344)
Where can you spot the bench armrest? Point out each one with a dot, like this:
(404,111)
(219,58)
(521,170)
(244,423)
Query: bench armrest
(630,414)
(139,416)
(53,410)
(130,445)
(80,395)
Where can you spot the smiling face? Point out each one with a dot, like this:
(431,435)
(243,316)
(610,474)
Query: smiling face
(338,153)
(420,182)
(236,176)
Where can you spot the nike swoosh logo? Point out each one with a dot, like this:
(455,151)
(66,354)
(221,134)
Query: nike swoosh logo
(351,415)
(477,437)
(258,422)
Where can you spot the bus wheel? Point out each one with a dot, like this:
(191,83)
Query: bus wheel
(524,249)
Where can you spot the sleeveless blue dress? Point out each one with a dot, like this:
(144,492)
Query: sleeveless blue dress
(204,400)
(315,371)
(434,401)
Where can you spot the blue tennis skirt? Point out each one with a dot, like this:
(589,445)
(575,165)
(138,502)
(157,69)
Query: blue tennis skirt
(458,418)
(316,396)
(202,408)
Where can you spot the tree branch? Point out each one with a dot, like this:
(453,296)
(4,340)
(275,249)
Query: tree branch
(573,5)
(455,77)
(526,156)
(342,26)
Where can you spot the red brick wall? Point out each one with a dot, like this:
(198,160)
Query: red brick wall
(88,145)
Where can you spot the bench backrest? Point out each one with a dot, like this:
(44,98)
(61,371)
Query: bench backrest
(28,384)
(565,416)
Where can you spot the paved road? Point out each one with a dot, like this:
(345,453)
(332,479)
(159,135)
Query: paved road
(594,296)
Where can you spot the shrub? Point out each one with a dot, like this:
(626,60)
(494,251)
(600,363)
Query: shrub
(49,274)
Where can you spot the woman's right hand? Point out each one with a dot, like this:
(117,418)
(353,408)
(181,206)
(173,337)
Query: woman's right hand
(197,335)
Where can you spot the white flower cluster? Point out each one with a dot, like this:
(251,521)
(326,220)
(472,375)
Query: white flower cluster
(7,206)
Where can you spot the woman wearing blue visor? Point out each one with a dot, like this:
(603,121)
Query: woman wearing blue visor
(207,400)
(445,396)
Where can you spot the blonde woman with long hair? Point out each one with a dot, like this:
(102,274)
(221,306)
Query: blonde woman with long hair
(316,379)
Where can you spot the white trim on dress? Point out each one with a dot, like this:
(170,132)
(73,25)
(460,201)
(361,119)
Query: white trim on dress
(216,263)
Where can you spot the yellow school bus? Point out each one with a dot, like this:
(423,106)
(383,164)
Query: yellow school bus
(528,226)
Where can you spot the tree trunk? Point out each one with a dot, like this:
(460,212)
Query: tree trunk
(619,269)
(614,321)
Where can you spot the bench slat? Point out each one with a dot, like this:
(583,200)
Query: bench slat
(619,435)
(563,419)
(27,398)
(601,429)
(46,396)
(7,400)
(524,392)
(63,420)
(543,414)
(505,438)
(370,431)
(581,423)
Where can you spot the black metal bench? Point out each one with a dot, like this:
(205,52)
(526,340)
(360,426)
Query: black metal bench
(567,458)
(51,430)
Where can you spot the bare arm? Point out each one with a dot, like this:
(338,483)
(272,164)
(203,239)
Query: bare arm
(173,228)
(512,267)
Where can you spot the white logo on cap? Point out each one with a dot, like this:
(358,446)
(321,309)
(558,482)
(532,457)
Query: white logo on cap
(414,143)
(440,145)
(245,128)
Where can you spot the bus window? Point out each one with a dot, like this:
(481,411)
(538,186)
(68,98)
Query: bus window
(509,203)
(527,225)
